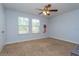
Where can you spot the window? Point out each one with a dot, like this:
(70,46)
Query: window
(35,26)
(23,25)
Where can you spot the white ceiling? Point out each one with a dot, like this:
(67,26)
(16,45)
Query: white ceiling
(31,8)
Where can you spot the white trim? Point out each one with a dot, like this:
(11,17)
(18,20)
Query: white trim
(25,40)
(42,38)
(64,39)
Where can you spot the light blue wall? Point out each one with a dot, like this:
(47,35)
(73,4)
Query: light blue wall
(2,27)
(13,36)
(65,26)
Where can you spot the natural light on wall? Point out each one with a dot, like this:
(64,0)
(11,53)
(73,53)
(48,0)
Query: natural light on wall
(23,25)
(35,26)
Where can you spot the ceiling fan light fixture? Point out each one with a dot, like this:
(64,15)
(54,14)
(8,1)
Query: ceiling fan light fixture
(48,12)
(44,12)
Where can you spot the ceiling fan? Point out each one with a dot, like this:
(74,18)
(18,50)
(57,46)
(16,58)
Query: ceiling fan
(47,10)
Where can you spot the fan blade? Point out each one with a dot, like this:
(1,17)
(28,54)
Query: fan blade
(48,14)
(49,5)
(40,9)
(40,13)
(53,10)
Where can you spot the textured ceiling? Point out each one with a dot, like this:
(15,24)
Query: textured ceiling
(31,8)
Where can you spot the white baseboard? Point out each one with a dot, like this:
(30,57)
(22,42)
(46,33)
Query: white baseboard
(64,39)
(43,38)
(24,40)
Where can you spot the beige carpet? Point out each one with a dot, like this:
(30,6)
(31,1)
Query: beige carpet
(41,47)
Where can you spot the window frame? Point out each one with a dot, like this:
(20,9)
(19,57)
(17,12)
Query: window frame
(39,26)
(24,25)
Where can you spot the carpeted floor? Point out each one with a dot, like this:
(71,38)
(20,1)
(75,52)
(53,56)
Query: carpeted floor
(41,47)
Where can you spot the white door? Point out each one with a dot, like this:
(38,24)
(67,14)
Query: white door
(1,27)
